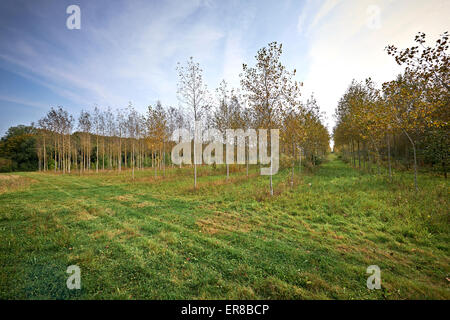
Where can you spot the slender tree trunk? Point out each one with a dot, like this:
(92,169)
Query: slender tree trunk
(300,160)
(119,155)
(132,159)
(415,166)
(56,162)
(366,165)
(63,155)
(103,153)
(155,165)
(443,158)
(415,159)
(81,155)
(96,163)
(389,157)
(39,154)
(110,156)
(195,165)
(79,166)
(45,157)
(125,163)
(293,164)
(70,155)
(164,157)
(271,184)
(353,154)
(88,152)
(139,155)
(248,157)
(359,157)
(75,163)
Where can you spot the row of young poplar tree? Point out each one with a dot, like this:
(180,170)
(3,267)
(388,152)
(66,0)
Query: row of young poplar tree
(404,122)
(104,139)
(268,98)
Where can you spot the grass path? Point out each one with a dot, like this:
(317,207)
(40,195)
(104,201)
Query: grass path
(157,238)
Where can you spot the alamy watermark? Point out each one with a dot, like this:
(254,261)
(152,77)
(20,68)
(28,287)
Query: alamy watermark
(235,139)
(374,281)
(373,20)
(74,20)
(74,281)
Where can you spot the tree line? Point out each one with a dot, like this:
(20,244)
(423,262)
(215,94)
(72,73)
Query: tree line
(405,122)
(107,139)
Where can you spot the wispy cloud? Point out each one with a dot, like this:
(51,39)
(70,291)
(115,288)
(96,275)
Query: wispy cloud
(119,58)
(127,51)
(25,102)
(326,7)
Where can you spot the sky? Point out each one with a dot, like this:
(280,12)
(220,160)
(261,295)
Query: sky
(127,51)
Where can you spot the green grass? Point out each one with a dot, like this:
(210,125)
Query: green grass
(156,238)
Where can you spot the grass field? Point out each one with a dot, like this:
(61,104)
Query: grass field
(156,238)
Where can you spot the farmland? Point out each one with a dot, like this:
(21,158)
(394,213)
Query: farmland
(159,238)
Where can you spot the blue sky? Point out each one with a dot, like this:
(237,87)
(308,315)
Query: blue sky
(128,50)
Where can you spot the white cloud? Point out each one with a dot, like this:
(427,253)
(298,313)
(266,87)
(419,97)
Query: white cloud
(233,60)
(343,45)
(301,21)
(326,7)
